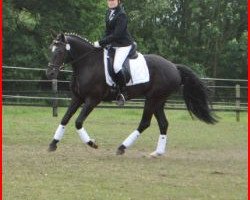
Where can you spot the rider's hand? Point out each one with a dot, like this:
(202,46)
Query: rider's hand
(96,44)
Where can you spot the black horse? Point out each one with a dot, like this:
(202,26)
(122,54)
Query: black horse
(89,88)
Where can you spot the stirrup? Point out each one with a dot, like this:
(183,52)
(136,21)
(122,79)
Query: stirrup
(120,100)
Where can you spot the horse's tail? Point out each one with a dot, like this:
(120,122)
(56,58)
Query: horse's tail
(196,95)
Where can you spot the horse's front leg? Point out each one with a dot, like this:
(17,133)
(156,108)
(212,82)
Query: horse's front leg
(74,105)
(89,105)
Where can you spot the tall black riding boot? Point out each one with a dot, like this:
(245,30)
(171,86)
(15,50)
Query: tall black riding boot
(121,82)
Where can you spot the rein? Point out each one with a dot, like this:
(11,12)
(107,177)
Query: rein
(80,58)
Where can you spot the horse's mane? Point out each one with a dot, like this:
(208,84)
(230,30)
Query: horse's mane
(79,37)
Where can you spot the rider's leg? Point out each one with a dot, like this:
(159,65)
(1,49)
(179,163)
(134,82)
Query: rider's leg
(121,54)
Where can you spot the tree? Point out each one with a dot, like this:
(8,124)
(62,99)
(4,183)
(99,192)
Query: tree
(210,36)
(197,33)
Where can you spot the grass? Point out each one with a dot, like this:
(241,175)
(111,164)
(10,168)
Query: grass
(203,162)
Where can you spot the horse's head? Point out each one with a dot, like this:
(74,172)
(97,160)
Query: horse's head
(59,48)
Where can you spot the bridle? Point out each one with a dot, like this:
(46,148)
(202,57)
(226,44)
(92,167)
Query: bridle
(54,66)
(60,67)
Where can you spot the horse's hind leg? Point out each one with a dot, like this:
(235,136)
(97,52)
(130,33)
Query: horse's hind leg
(163,125)
(74,105)
(144,124)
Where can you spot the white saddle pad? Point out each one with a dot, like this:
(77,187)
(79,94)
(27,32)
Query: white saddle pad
(138,69)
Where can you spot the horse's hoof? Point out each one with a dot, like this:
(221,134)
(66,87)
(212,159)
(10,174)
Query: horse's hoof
(52,147)
(121,150)
(155,154)
(92,144)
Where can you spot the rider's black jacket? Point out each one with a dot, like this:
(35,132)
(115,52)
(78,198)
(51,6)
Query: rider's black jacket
(116,33)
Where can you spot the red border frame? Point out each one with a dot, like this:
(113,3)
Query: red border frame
(1,49)
(1,119)
(248,62)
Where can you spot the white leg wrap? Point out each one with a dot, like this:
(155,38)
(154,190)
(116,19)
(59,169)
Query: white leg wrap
(131,139)
(161,146)
(59,132)
(83,135)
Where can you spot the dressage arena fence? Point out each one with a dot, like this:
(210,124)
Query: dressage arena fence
(30,87)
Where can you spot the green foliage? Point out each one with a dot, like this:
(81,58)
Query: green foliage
(209,36)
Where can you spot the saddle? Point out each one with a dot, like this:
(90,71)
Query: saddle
(126,66)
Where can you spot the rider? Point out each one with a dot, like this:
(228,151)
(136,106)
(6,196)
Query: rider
(118,37)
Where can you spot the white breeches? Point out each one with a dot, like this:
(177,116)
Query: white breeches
(121,54)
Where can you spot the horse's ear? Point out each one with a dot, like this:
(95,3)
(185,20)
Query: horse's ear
(62,36)
(53,33)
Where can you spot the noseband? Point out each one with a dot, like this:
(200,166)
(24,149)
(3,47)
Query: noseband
(54,67)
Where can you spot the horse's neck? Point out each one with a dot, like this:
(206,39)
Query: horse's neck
(87,63)
(79,47)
